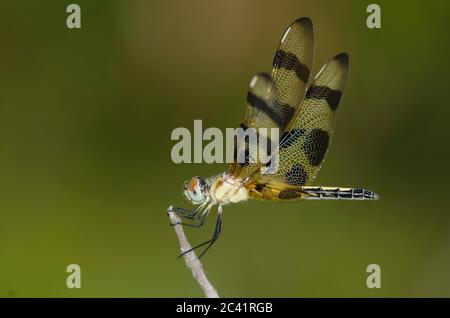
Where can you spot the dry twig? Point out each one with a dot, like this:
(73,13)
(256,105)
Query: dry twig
(191,260)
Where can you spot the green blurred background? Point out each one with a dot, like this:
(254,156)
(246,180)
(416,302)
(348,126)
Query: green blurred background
(85,168)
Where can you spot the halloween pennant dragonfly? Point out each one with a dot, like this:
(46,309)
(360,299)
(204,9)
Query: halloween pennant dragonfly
(305,115)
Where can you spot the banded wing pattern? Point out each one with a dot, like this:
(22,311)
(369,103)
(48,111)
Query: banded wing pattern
(273,100)
(292,68)
(261,112)
(305,143)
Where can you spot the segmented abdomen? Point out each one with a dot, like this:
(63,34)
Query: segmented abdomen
(338,193)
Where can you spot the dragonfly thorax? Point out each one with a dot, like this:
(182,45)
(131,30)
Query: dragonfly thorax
(226,189)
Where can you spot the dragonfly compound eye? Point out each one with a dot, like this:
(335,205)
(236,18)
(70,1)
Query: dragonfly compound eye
(193,190)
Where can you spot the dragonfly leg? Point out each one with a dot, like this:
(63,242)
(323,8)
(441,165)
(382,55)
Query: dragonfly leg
(188,214)
(216,234)
(192,215)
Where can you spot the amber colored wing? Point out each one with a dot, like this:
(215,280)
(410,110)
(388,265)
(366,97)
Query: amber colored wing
(307,139)
(273,100)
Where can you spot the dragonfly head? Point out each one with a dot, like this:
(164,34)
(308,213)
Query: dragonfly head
(195,190)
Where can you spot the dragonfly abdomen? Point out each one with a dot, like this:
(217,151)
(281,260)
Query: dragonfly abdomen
(338,193)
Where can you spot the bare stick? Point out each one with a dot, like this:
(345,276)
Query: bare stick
(191,260)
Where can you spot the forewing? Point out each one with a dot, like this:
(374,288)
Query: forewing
(304,145)
(273,100)
(292,67)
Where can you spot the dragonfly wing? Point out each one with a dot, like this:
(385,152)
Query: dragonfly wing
(305,143)
(273,100)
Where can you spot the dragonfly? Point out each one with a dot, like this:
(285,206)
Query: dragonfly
(304,111)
